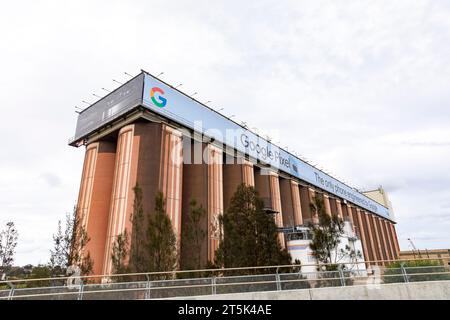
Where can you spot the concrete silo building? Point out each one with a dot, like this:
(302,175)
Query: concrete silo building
(148,132)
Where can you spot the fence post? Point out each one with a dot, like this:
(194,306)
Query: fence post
(148,293)
(405,275)
(341,275)
(80,292)
(11,291)
(213,285)
(278,280)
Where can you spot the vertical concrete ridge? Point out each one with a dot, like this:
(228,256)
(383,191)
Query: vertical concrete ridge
(394,237)
(384,244)
(94,197)
(215,198)
(373,252)
(275,196)
(358,216)
(171,174)
(326,201)
(390,240)
(121,188)
(339,209)
(298,217)
(377,235)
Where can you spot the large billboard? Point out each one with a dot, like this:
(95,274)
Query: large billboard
(171,103)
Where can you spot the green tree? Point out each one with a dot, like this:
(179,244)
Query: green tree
(8,243)
(78,255)
(153,245)
(69,246)
(162,242)
(325,235)
(59,253)
(119,253)
(138,256)
(250,236)
(193,236)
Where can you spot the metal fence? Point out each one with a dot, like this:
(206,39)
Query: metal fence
(159,285)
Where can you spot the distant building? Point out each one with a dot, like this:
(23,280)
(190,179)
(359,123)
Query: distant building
(148,132)
(380,196)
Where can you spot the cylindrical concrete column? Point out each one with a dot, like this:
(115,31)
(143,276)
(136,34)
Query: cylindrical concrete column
(94,198)
(233,176)
(350,217)
(339,209)
(87,181)
(358,218)
(298,220)
(385,239)
(171,174)
(373,235)
(276,205)
(395,240)
(389,239)
(326,201)
(381,243)
(314,215)
(248,176)
(119,218)
(369,237)
(268,187)
(290,202)
(215,198)
(305,203)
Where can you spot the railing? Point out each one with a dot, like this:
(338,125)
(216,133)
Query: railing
(158,285)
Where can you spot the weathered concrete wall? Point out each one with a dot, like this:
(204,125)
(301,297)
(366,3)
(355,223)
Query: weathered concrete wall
(433,290)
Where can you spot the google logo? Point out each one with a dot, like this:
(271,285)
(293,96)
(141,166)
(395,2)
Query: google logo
(159,101)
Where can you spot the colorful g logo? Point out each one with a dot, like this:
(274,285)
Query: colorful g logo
(159,101)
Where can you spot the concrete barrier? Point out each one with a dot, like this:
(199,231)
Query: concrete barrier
(432,290)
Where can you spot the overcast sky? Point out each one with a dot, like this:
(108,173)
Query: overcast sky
(361,88)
